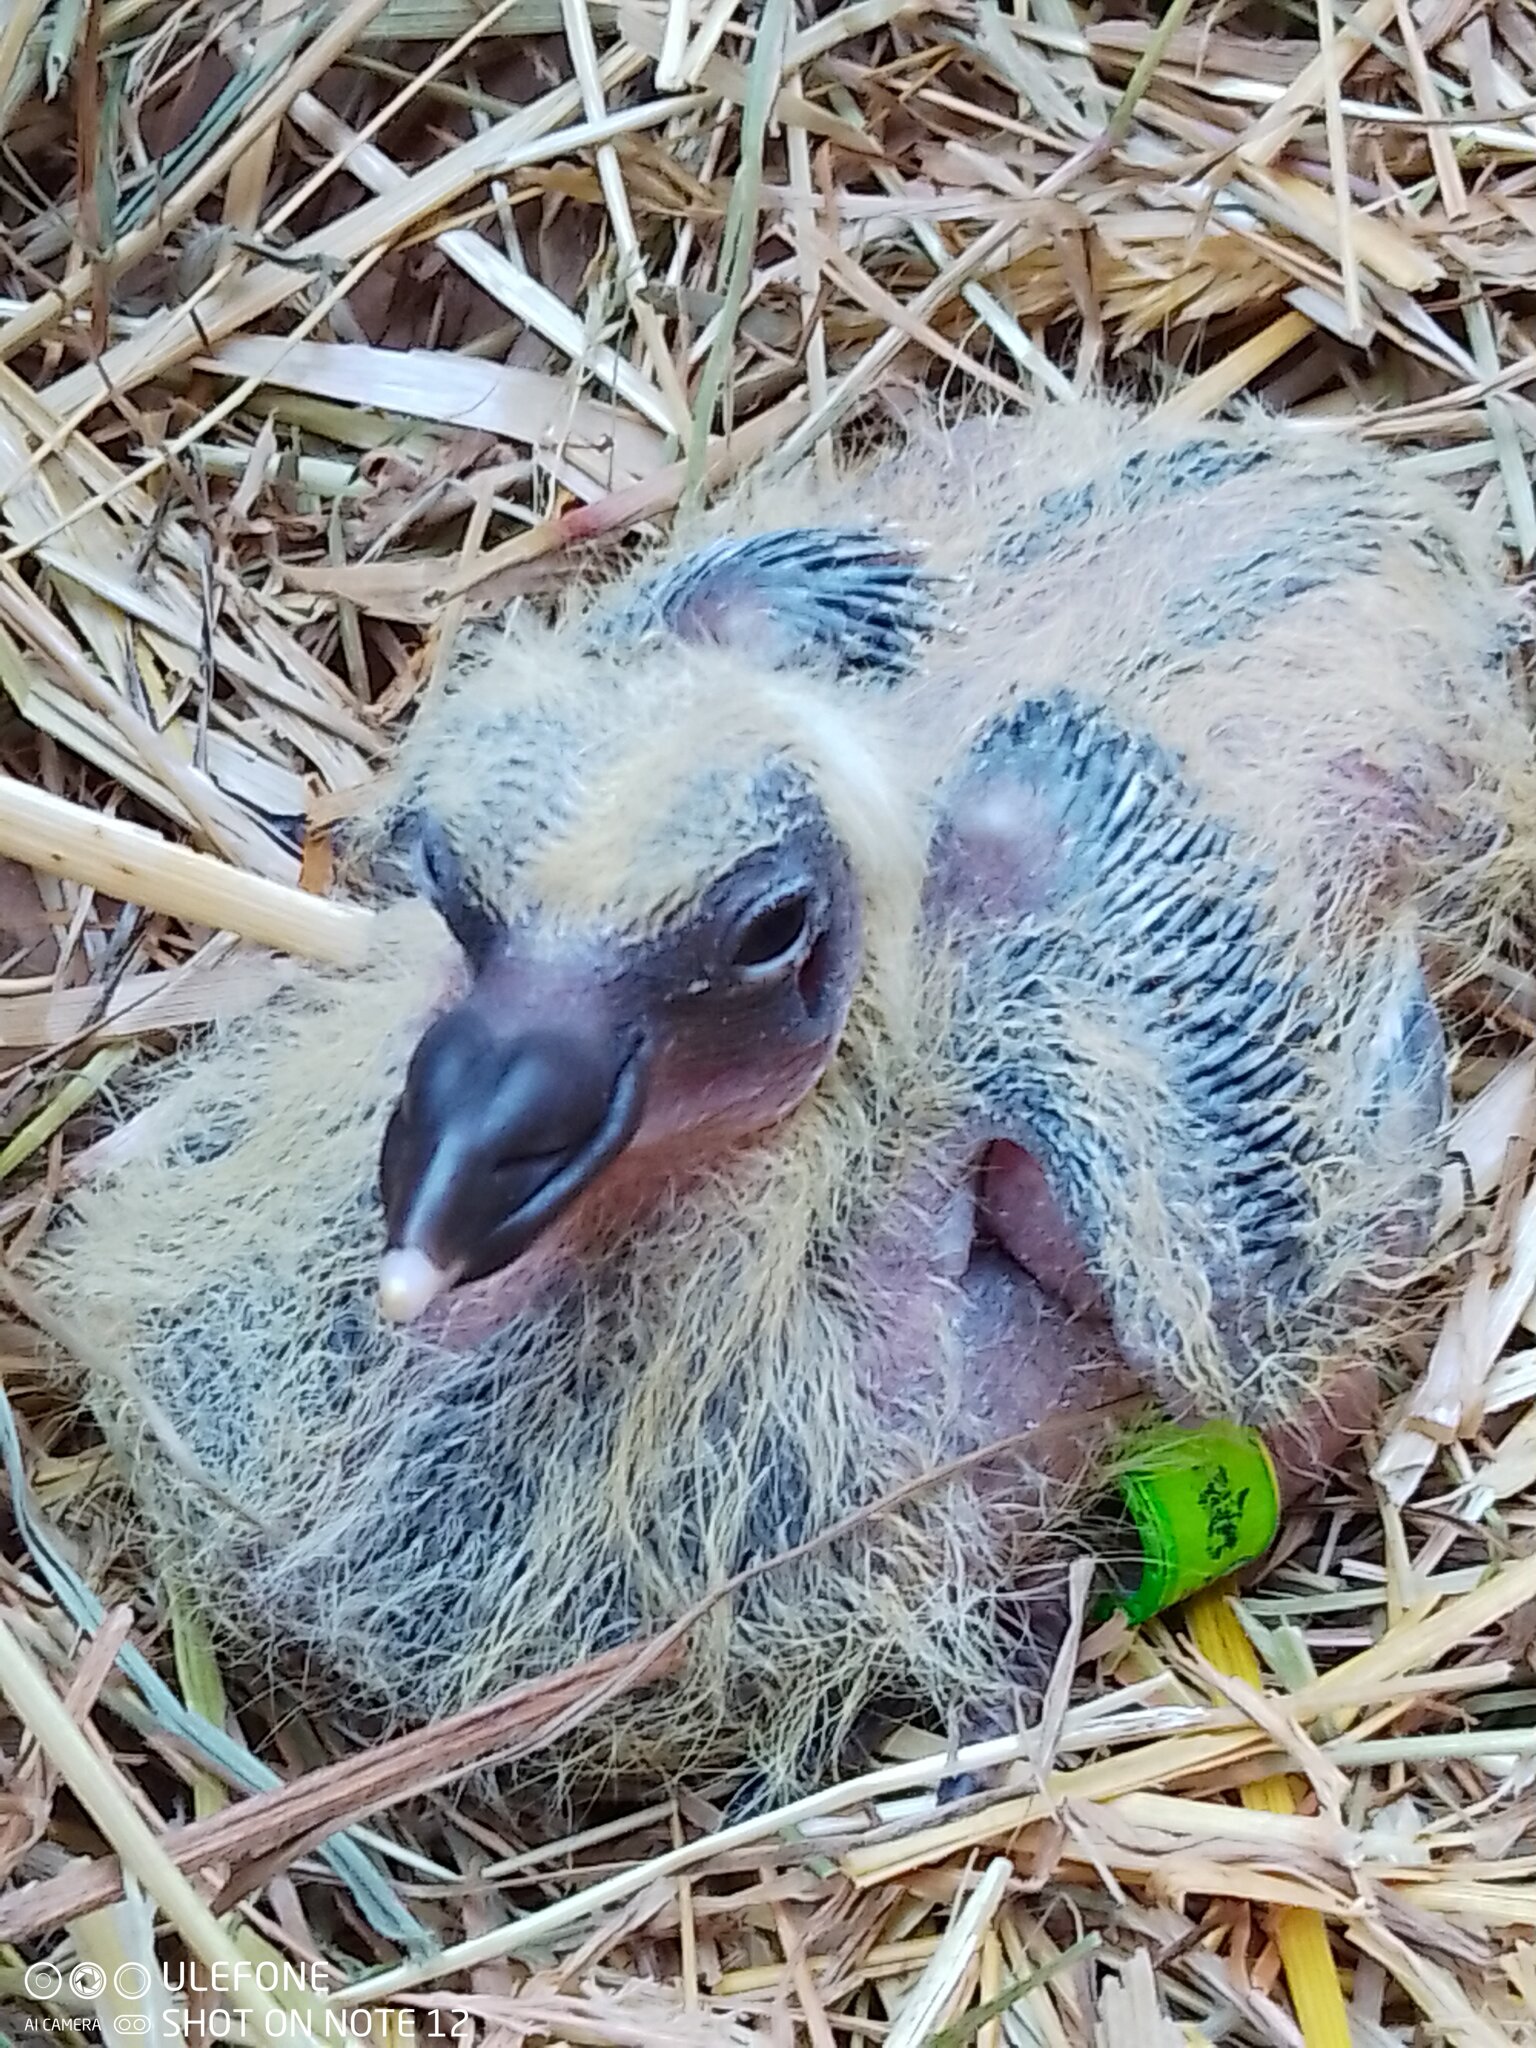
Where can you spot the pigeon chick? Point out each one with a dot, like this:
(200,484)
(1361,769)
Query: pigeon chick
(920,962)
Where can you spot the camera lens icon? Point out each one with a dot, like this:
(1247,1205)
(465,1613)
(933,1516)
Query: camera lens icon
(42,1981)
(88,1980)
(130,1980)
(131,2023)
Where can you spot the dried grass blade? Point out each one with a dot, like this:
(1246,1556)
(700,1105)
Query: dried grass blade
(1285,119)
(101,1791)
(739,235)
(927,2005)
(334,40)
(490,268)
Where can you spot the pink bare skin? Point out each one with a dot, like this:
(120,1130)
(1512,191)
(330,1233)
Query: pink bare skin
(1074,1346)
(991,1275)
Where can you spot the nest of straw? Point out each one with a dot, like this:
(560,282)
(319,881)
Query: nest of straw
(326,326)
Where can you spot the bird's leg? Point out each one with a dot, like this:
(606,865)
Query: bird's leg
(1309,1450)
(979,1723)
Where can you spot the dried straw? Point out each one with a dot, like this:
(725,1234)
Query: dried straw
(325,326)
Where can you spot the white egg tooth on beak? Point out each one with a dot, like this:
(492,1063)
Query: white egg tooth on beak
(409,1283)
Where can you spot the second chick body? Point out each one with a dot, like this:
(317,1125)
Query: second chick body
(860,1016)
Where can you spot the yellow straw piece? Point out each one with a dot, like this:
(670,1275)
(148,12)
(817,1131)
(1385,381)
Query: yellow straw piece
(134,865)
(1300,1932)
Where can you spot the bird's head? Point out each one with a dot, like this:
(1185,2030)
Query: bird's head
(670,860)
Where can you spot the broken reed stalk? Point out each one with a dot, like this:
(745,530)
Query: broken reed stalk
(135,865)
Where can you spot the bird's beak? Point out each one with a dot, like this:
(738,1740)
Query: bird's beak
(512,1106)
